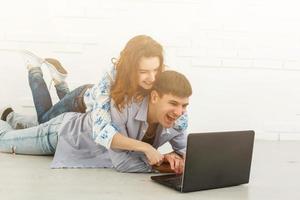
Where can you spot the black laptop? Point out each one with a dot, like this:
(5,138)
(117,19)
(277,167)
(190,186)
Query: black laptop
(213,160)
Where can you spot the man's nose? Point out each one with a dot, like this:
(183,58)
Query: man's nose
(179,111)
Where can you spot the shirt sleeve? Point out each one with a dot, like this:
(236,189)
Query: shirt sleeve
(98,96)
(181,124)
(126,161)
(179,142)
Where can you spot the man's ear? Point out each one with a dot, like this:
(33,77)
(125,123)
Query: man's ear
(154,96)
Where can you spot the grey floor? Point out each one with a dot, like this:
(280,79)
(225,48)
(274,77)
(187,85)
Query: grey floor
(275,174)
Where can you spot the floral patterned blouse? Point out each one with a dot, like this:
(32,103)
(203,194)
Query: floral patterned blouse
(97,101)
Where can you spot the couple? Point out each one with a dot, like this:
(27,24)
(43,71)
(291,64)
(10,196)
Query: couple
(125,119)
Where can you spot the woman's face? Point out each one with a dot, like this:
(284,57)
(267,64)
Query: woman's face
(148,68)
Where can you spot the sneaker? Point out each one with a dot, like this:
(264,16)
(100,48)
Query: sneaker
(4,112)
(32,60)
(56,70)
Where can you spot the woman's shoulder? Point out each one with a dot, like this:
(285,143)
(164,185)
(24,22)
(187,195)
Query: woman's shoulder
(181,124)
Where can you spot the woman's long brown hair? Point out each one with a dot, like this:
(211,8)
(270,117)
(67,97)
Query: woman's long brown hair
(126,85)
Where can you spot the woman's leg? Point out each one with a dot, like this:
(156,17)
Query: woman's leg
(41,96)
(38,140)
(62,89)
(58,74)
(71,102)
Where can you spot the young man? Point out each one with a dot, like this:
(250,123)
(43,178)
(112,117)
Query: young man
(69,135)
(152,120)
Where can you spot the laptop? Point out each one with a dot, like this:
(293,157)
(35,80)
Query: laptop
(213,160)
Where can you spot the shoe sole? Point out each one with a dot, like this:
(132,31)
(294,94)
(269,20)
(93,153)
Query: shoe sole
(57,65)
(5,112)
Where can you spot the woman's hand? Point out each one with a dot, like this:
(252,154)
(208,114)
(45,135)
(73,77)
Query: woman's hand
(153,156)
(120,141)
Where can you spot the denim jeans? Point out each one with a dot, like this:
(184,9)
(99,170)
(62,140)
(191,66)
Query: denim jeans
(37,140)
(20,121)
(69,101)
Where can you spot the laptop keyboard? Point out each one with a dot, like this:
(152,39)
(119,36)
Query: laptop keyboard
(174,181)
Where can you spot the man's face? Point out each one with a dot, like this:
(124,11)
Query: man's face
(148,68)
(168,108)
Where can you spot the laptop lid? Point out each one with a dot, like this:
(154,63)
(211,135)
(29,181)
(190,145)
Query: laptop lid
(217,159)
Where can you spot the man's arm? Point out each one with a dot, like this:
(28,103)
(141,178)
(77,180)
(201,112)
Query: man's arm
(179,142)
(176,158)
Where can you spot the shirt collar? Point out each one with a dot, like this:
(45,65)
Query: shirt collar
(143,114)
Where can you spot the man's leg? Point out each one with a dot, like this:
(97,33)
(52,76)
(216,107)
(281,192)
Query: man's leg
(38,140)
(62,89)
(18,121)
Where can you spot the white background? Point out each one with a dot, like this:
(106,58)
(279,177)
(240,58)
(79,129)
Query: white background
(242,56)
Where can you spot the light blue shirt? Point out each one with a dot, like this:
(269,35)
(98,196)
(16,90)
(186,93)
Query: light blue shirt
(132,122)
(76,147)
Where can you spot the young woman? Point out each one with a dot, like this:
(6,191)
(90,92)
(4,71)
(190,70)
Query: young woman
(69,137)
(132,75)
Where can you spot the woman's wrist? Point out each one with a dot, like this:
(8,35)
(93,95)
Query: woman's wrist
(143,147)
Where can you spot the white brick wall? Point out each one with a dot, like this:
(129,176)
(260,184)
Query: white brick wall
(241,56)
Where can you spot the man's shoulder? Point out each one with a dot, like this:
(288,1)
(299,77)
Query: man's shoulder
(174,131)
(134,110)
(134,105)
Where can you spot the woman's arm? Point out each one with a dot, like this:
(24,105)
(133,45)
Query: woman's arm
(104,132)
(120,141)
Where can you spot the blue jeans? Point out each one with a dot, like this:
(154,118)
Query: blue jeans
(37,140)
(20,121)
(69,101)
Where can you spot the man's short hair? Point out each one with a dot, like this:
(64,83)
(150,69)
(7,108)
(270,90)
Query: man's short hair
(172,82)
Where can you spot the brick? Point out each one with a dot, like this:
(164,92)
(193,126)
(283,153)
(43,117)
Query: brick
(222,53)
(267,136)
(176,41)
(237,63)
(269,53)
(277,64)
(206,62)
(292,64)
(32,37)
(191,52)
(178,63)
(68,48)
(206,25)
(245,53)
(67,8)
(208,43)
(289,136)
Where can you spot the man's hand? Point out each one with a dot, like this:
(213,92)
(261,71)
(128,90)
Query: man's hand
(175,161)
(164,168)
